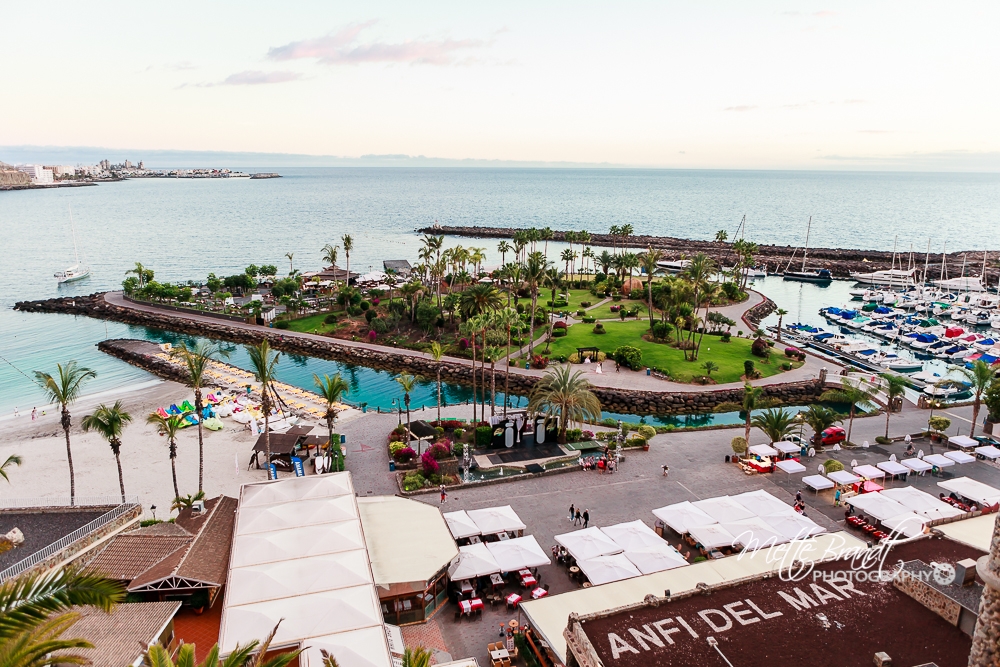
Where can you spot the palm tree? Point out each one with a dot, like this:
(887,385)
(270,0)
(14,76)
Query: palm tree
(437,353)
(264,362)
(981,378)
(141,272)
(169,426)
(753,398)
(110,423)
(649,260)
(416,657)
(348,242)
(503,248)
(330,254)
(407,382)
(331,389)
(626,231)
(291,266)
(605,260)
(13,459)
(186,502)
(855,393)
(64,388)
(775,423)
(781,312)
(710,366)
(196,361)
(507,319)
(565,395)
(567,256)
(894,386)
(492,354)
(534,276)
(244,655)
(820,418)
(721,236)
(545,234)
(35,610)
(478,299)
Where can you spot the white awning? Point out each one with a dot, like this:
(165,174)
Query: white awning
(973,490)
(681,516)
(988,451)
(461,525)
(938,460)
(359,648)
(893,468)
(633,535)
(843,477)
(817,482)
(588,543)
(963,441)
(909,524)
(723,508)
(869,472)
(656,558)
(922,503)
(764,450)
(296,543)
(517,554)
(794,526)
(407,540)
(290,578)
(960,457)
(494,520)
(605,569)
(762,503)
(916,465)
(712,536)
(877,505)
(474,560)
(787,447)
(790,466)
(755,533)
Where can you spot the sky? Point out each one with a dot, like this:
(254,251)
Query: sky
(767,85)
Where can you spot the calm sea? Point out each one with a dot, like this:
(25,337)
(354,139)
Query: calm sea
(184,229)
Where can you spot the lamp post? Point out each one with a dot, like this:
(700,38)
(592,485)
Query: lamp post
(153,510)
(618,443)
(396,405)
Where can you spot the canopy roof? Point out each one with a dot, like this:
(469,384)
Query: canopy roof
(762,503)
(791,466)
(869,472)
(976,532)
(461,524)
(755,533)
(893,468)
(787,447)
(633,535)
(843,477)
(681,516)
(794,526)
(296,543)
(517,554)
(877,505)
(916,465)
(723,508)
(973,490)
(407,540)
(494,520)
(988,451)
(922,503)
(938,460)
(655,558)
(963,441)
(358,648)
(817,482)
(474,560)
(960,457)
(909,524)
(605,569)
(764,450)
(588,543)
(713,536)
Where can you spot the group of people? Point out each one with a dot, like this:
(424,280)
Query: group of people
(576,516)
(603,463)
(799,505)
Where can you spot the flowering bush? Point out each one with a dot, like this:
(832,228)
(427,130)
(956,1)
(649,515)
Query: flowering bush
(395,446)
(539,362)
(440,451)
(463,344)
(429,463)
(587,435)
(375,301)
(372,336)
(444,442)
(559,325)
(405,455)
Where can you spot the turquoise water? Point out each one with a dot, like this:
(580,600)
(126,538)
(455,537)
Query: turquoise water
(184,229)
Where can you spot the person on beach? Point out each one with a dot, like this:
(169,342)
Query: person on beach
(17,413)
(34,414)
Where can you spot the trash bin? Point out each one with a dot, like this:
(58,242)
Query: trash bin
(647,371)
(392,466)
(527,365)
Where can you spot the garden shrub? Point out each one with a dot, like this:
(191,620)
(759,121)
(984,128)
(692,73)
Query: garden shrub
(661,330)
(483,436)
(739,444)
(364,305)
(787,366)
(585,304)
(395,446)
(405,455)
(441,450)
(281,324)
(991,399)
(589,320)
(616,297)
(760,348)
(627,355)
(459,433)
(574,434)
(539,362)
(726,337)
(380,326)
(354,311)
(646,431)
(599,328)
(581,313)
(749,370)
(882,440)
(439,431)
(559,333)
(939,424)
(463,343)
(587,435)
(559,325)
(728,406)
(370,315)
(413,482)
(428,463)
(520,309)
(375,301)
(372,336)
(541,320)
(635,441)
(832,465)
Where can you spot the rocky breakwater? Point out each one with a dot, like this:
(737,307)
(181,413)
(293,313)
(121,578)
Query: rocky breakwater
(756,315)
(701,402)
(841,261)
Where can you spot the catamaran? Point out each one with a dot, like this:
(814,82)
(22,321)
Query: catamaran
(821,277)
(77,271)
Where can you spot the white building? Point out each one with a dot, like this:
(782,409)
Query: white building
(39,175)
(60,170)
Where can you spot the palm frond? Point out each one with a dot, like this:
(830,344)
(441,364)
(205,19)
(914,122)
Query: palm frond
(13,459)
(30,599)
(157,656)
(34,647)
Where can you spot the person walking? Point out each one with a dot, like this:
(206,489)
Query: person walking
(34,414)
(577,518)
(666,469)
(586,518)
(798,496)
(572,511)
(444,494)
(836,498)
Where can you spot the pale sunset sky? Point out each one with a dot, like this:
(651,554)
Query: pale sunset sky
(745,84)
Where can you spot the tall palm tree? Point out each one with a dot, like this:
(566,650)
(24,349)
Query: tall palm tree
(567,256)
(332,390)
(407,382)
(753,398)
(709,293)
(981,377)
(503,248)
(894,386)
(491,354)
(614,231)
(506,319)
(565,395)
(64,388)
(140,272)
(169,426)
(330,254)
(35,610)
(470,328)
(252,654)
(291,266)
(987,635)
(856,393)
(264,363)
(781,312)
(437,353)
(545,234)
(196,361)
(775,423)
(348,241)
(478,299)
(650,264)
(820,418)
(606,260)
(110,422)
(534,277)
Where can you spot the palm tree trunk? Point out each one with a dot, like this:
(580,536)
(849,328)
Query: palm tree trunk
(888,412)
(439,392)
(506,375)
(850,424)
(975,416)
(475,399)
(649,289)
(746,432)
(329,438)
(493,387)
(201,442)
(69,456)
(173,469)
(121,479)
(267,438)
(531,320)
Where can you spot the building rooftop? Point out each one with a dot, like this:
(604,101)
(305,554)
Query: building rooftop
(42,527)
(408,541)
(122,637)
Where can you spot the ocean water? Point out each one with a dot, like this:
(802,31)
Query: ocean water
(184,229)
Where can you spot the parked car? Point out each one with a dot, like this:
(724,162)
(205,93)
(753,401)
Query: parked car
(833,435)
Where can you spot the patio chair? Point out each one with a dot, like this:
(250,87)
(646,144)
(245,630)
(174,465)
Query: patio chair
(458,615)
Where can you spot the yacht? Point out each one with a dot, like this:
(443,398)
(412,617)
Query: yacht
(821,277)
(887,278)
(961,284)
(674,265)
(237,174)
(77,271)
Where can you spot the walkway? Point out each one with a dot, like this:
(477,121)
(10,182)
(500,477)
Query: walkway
(626,379)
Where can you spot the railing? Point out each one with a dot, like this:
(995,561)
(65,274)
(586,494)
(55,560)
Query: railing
(79,501)
(55,547)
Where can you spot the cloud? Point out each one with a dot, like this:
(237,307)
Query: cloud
(342,47)
(741,107)
(257,78)
(822,14)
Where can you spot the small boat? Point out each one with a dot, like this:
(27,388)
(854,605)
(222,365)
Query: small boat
(887,278)
(75,272)
(674,265)
(923,341)
(821,277)
(898,364)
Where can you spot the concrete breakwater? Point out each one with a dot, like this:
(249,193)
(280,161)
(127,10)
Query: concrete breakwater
(841,261)
(397,361)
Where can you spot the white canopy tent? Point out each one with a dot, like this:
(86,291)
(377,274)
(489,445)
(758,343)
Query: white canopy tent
(289,578)
(787,447)
(723,508)
(605,569)
(655,558)
(632,535)
(973,490)
(909,524)
(358,648)
(517,554)
(494,520)
(372,277)
(474,560)
(296,543)
(790,466)
(988,451)
(794,526)
(755,533)
(922,503)
(893,468)
(869,472)
(877,505)
(762,503)
(963,442)
(682,516)
(938,461)
(588,543)
(843,477)
(917,465)
(764,450)
(461,524)
(960,458)
(817,482)
(712,536)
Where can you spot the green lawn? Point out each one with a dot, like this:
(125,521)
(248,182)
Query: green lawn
(728,356)
(312,324)
(575,297)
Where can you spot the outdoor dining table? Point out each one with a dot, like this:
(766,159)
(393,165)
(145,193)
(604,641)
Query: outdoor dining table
(469,606)
(503,536)
(465,587)
(528,581)
(538,593)
(513,599)
(502,654)
(524,572)
(496,580)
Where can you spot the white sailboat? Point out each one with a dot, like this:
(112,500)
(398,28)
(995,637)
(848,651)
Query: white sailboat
(77,271)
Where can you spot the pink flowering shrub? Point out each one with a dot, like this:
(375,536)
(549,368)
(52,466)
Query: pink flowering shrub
(429,463)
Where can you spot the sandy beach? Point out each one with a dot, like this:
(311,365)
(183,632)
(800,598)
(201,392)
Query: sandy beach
(144,453)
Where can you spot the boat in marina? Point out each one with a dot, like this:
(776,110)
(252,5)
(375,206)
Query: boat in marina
(674,265)
(887,278)
(961,284)
(77,271)
(821,277)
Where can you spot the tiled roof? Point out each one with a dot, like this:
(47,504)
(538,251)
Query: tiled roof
(129,555)
(121,637)
(162,528)
(208,557)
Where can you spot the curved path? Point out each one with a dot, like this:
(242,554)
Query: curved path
(625,379)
